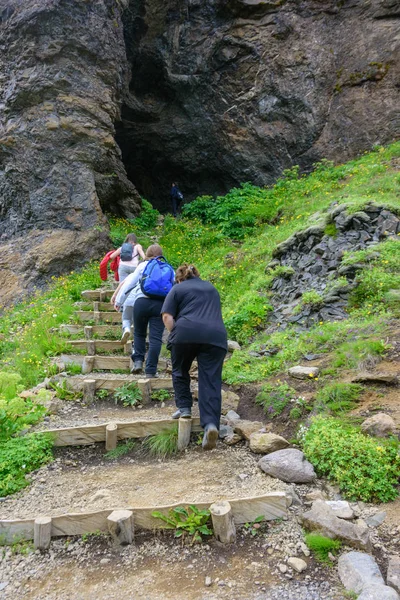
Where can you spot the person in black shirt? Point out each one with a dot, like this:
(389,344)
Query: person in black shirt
(192,313)
(176,198)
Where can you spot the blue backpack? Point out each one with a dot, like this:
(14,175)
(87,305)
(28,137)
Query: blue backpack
(157,279)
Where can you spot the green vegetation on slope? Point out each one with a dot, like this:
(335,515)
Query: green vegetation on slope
(231,240)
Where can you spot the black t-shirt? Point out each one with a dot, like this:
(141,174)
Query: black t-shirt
(196,307)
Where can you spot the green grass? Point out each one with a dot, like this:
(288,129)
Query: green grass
(322,546)
(121,450)
(338,397)
(164,444)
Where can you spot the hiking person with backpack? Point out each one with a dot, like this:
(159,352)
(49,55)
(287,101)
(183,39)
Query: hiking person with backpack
(192,314)
(129,254)
(176,198)
(142,295)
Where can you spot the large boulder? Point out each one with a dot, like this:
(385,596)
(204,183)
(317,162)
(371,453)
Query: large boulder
(376,591)
(246,428)
(322,518)
(264,443)
(288,465)
(393,572)
(379,425)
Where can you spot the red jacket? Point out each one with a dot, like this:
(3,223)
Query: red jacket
(114,266)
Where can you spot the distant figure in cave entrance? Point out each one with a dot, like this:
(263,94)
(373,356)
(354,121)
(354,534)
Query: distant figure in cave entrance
(176,198)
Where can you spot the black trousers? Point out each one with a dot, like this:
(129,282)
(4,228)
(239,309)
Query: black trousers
(147,312)
(210,360)
(175,206)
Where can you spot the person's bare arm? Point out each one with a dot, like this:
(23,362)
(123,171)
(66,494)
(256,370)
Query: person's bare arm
(140,251)
(116,292)
(116,253)
(168,321)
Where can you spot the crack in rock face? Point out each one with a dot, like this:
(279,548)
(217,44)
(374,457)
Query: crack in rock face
(312,261)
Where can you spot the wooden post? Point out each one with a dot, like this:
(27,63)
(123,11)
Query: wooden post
(88,364)
(120,526)
(96,312)
(89,390)
(42,533)
(91,347)
(103,295)
(145,387)
(184,430)
(111,436)
(88,330)
(223,523)
(128,348)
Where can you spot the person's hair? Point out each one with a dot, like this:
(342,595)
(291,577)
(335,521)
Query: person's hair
(153,251)
(186,271)
(131,238)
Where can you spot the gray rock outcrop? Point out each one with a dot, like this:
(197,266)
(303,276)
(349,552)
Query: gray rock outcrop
(288,465)
(322,518)
(63,71)
(312,259)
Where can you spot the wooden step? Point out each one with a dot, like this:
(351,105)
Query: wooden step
(92,330)
(106,381)
(92,346)
(89,434)
(245,510)
(103,363)
(96,306)
(101,295)
(98,317)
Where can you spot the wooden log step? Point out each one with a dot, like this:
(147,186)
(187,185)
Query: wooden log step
(245,510)
(112,382)
(108,345)
(98,317)
(104,363)
(97,306)
(112,329)
(90,434)
(101,295)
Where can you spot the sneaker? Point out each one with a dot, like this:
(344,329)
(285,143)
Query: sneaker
(137,366)
(182,413)
(126,334)
(152,375)
(210,437)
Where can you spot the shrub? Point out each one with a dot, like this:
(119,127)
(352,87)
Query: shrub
(19,456)
(365,468)
(163,444)
(338,396)
(275,398)
(160,395)
(322,546)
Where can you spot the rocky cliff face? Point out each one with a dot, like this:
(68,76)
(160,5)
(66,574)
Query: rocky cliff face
(63,70)
(224,91)
(213,92)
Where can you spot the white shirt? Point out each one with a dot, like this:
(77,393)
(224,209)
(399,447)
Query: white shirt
(130,291)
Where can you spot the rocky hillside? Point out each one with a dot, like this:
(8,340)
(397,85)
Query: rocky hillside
(210,92)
